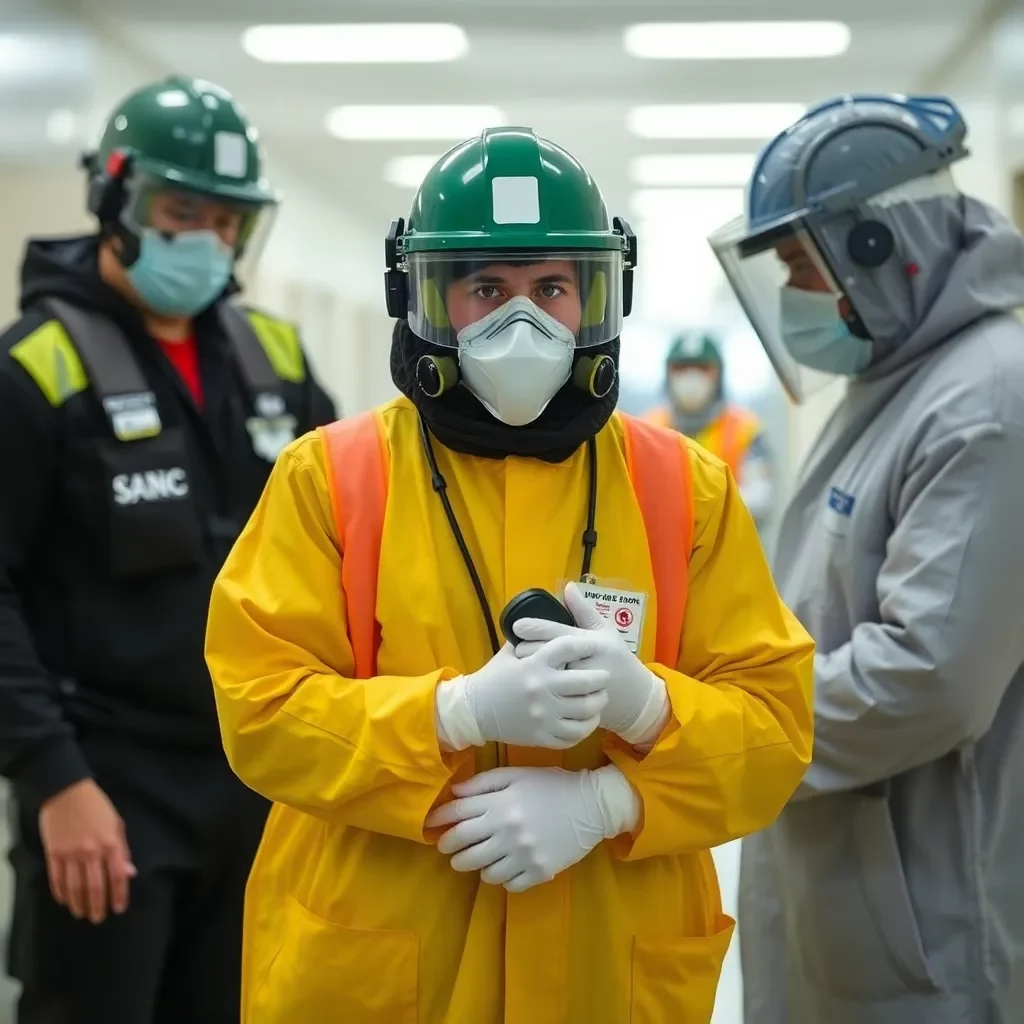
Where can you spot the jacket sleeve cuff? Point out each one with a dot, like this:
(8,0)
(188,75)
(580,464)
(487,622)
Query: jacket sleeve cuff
(47,769)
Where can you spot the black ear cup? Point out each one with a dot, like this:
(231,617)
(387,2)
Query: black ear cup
(595,375)
(105,197)
(436,374)
(870,243)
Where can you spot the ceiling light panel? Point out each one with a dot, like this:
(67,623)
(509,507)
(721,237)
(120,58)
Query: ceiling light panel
(411,123)
(737,40)
(748,121)
(408,171)
(355,44)
(692,169)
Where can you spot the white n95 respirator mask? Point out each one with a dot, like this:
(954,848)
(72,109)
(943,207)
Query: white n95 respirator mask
(692,390)
(515,360)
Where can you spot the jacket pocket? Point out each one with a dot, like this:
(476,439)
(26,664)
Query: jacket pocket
(675,980)
(327,972)
(853,918)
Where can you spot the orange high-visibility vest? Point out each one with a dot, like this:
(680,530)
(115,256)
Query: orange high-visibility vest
(357,459)
(728,436)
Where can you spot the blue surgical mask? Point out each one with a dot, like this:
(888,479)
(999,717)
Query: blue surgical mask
(181,275)
(817,336)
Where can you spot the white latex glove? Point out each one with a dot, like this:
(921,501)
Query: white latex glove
(529,702)
(522,826)
(637,700)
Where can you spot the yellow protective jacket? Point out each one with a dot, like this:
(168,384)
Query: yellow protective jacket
(352,915)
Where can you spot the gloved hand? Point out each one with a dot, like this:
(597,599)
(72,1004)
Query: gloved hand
(532,701)
(522,826)
(637,700)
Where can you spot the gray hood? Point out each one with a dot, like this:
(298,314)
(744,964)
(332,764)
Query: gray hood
(984,279)
(970,264)
(983,276)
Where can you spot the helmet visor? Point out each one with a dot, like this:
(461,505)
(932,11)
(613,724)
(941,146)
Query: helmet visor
(449,292)
(171,209)
(781,279)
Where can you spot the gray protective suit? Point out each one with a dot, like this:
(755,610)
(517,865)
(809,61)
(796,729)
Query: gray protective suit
(891,890)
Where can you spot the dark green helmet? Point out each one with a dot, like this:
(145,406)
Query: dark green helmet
(509,198)
(509,189)
(694,349)
(189,133)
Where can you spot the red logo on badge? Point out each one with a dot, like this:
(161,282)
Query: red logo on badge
(623,618)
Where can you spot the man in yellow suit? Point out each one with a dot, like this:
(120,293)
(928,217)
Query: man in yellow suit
(467,831)
(697,407)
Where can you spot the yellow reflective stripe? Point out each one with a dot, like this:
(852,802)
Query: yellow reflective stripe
(281,343)
(50,359)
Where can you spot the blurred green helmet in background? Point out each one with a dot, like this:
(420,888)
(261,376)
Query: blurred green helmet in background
(694,349)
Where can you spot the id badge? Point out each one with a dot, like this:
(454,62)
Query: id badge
(133,417)
(623,607)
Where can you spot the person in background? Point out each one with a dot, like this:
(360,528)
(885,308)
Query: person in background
(475,832)
(141,411)
(890,889)
(697,407)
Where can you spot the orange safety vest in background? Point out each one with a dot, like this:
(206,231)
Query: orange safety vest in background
(357,467)
(729,435)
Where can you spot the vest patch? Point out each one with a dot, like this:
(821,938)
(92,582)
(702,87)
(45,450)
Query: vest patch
(271,436)
(841,502)
(150,485)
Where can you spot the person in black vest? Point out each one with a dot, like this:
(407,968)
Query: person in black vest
(141,410)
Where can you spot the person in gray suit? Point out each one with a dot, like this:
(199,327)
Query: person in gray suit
(891,889)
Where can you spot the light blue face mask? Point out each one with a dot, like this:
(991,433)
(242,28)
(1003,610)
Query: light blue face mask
(816,335)
(182,275)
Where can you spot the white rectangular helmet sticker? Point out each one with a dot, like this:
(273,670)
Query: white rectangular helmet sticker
(230,155)
(515,200)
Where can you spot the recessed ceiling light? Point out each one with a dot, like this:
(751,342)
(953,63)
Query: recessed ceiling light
(355,44)
(408,171)
(695,169)
(737,40)
(714,120)
(381,123)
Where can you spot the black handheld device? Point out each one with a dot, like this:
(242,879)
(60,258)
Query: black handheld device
(533,604)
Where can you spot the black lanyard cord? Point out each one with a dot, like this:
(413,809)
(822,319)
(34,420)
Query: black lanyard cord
(590,533)
(440,485)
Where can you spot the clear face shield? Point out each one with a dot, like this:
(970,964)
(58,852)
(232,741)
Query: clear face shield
(450,292)
(235,229)
(793,302)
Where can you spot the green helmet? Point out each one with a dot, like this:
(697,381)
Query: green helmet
(189,133)
(512,200)
(694,349)
(182,135)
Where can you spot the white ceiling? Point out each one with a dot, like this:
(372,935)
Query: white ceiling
(557,66)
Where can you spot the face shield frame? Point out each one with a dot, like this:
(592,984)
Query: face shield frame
(143,189)
(399,295)
(445,290)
